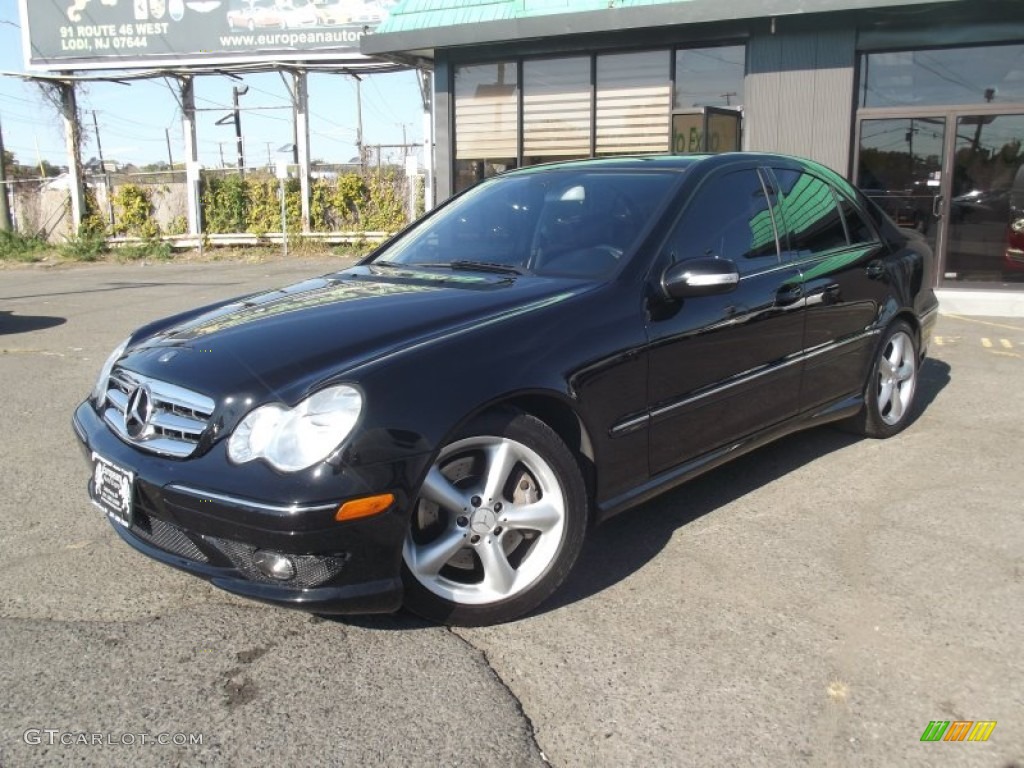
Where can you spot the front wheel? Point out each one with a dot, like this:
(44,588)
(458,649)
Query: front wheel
(498,525)
(892,385)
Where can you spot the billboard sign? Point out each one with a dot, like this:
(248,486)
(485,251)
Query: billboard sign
(114,34)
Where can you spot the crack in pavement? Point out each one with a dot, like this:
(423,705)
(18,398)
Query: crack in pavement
(501,681)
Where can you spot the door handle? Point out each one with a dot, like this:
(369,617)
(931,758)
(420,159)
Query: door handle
(825,294)
(788,294)
(937,206)
(875,269)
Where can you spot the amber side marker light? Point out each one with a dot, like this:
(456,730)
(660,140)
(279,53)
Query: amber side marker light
(371,505)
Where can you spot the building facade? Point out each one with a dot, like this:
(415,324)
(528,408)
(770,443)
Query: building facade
(921,104)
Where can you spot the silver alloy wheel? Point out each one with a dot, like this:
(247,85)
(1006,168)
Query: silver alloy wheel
(897,377)
(489,522)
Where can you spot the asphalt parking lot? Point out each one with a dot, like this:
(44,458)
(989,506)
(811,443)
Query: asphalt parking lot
(816,603)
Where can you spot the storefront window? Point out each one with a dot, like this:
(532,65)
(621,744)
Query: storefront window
(986,214)
(993,74)
(633,103)
(486,124)
(710,77)
(556,109)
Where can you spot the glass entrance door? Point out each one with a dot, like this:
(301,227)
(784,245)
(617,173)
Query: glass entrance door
(985,236)
(957,178)
(900,166)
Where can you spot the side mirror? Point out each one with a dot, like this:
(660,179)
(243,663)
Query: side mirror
(699,277)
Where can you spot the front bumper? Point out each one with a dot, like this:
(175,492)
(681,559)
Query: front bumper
(214,531)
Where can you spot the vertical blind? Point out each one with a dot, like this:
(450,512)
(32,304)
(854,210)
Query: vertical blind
(627,109)
(486,108)
(556,107)
(633,100)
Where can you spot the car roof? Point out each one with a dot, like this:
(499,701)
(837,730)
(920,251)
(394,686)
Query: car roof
(669,162)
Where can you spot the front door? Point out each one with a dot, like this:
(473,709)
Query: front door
(724,366)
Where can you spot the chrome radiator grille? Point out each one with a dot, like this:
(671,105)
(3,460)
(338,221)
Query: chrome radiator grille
(154,415)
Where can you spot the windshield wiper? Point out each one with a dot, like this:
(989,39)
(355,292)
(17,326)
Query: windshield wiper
(462,264)
(487,266)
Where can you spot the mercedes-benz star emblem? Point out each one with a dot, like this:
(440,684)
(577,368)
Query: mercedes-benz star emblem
(138,411)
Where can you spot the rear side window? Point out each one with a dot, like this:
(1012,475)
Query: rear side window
(729,217)
(810,215)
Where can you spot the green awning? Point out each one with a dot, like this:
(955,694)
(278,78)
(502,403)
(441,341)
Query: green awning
(421,26)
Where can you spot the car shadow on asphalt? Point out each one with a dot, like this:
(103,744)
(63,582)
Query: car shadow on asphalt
(622,546)
(11,323)
(627,542)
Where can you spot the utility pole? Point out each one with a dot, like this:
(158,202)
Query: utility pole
(73,140)
(359,121)
(426,94)
(103,170)
(170,157)
(239,147)
(193,174)
(292,93)
(5,211)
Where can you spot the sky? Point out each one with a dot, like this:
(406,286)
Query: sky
(134,120)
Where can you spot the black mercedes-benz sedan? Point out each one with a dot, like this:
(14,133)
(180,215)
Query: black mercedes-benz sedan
(440,425)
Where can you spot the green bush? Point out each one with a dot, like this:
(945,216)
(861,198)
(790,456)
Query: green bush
(17,247)
(224,204)
(383,207)
(178,226)
(152,249)
(336,203)
(263,210)
(87,245)
(134,212)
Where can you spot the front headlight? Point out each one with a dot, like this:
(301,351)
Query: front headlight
(292,439)
(100,390)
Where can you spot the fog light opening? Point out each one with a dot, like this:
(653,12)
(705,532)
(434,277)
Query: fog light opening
(274,565)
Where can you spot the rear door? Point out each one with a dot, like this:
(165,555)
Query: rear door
(841,258)
(724,366)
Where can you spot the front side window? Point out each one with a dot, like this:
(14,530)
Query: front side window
(729,217)
(568,223)
(810,215)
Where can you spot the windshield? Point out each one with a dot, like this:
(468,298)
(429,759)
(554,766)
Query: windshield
(567,223)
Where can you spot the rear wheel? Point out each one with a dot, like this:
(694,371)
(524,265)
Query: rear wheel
(500,521)
(892,385)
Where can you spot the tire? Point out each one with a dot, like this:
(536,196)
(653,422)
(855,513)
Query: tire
(499,523)
(892,385)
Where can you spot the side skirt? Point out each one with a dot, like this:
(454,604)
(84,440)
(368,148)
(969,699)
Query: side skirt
(835,411)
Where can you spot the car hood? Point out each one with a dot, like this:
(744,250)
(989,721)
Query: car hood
(277,344)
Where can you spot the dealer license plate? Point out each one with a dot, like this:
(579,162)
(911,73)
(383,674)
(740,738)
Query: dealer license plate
(112,489)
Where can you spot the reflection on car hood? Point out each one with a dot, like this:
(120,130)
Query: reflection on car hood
(268,344)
